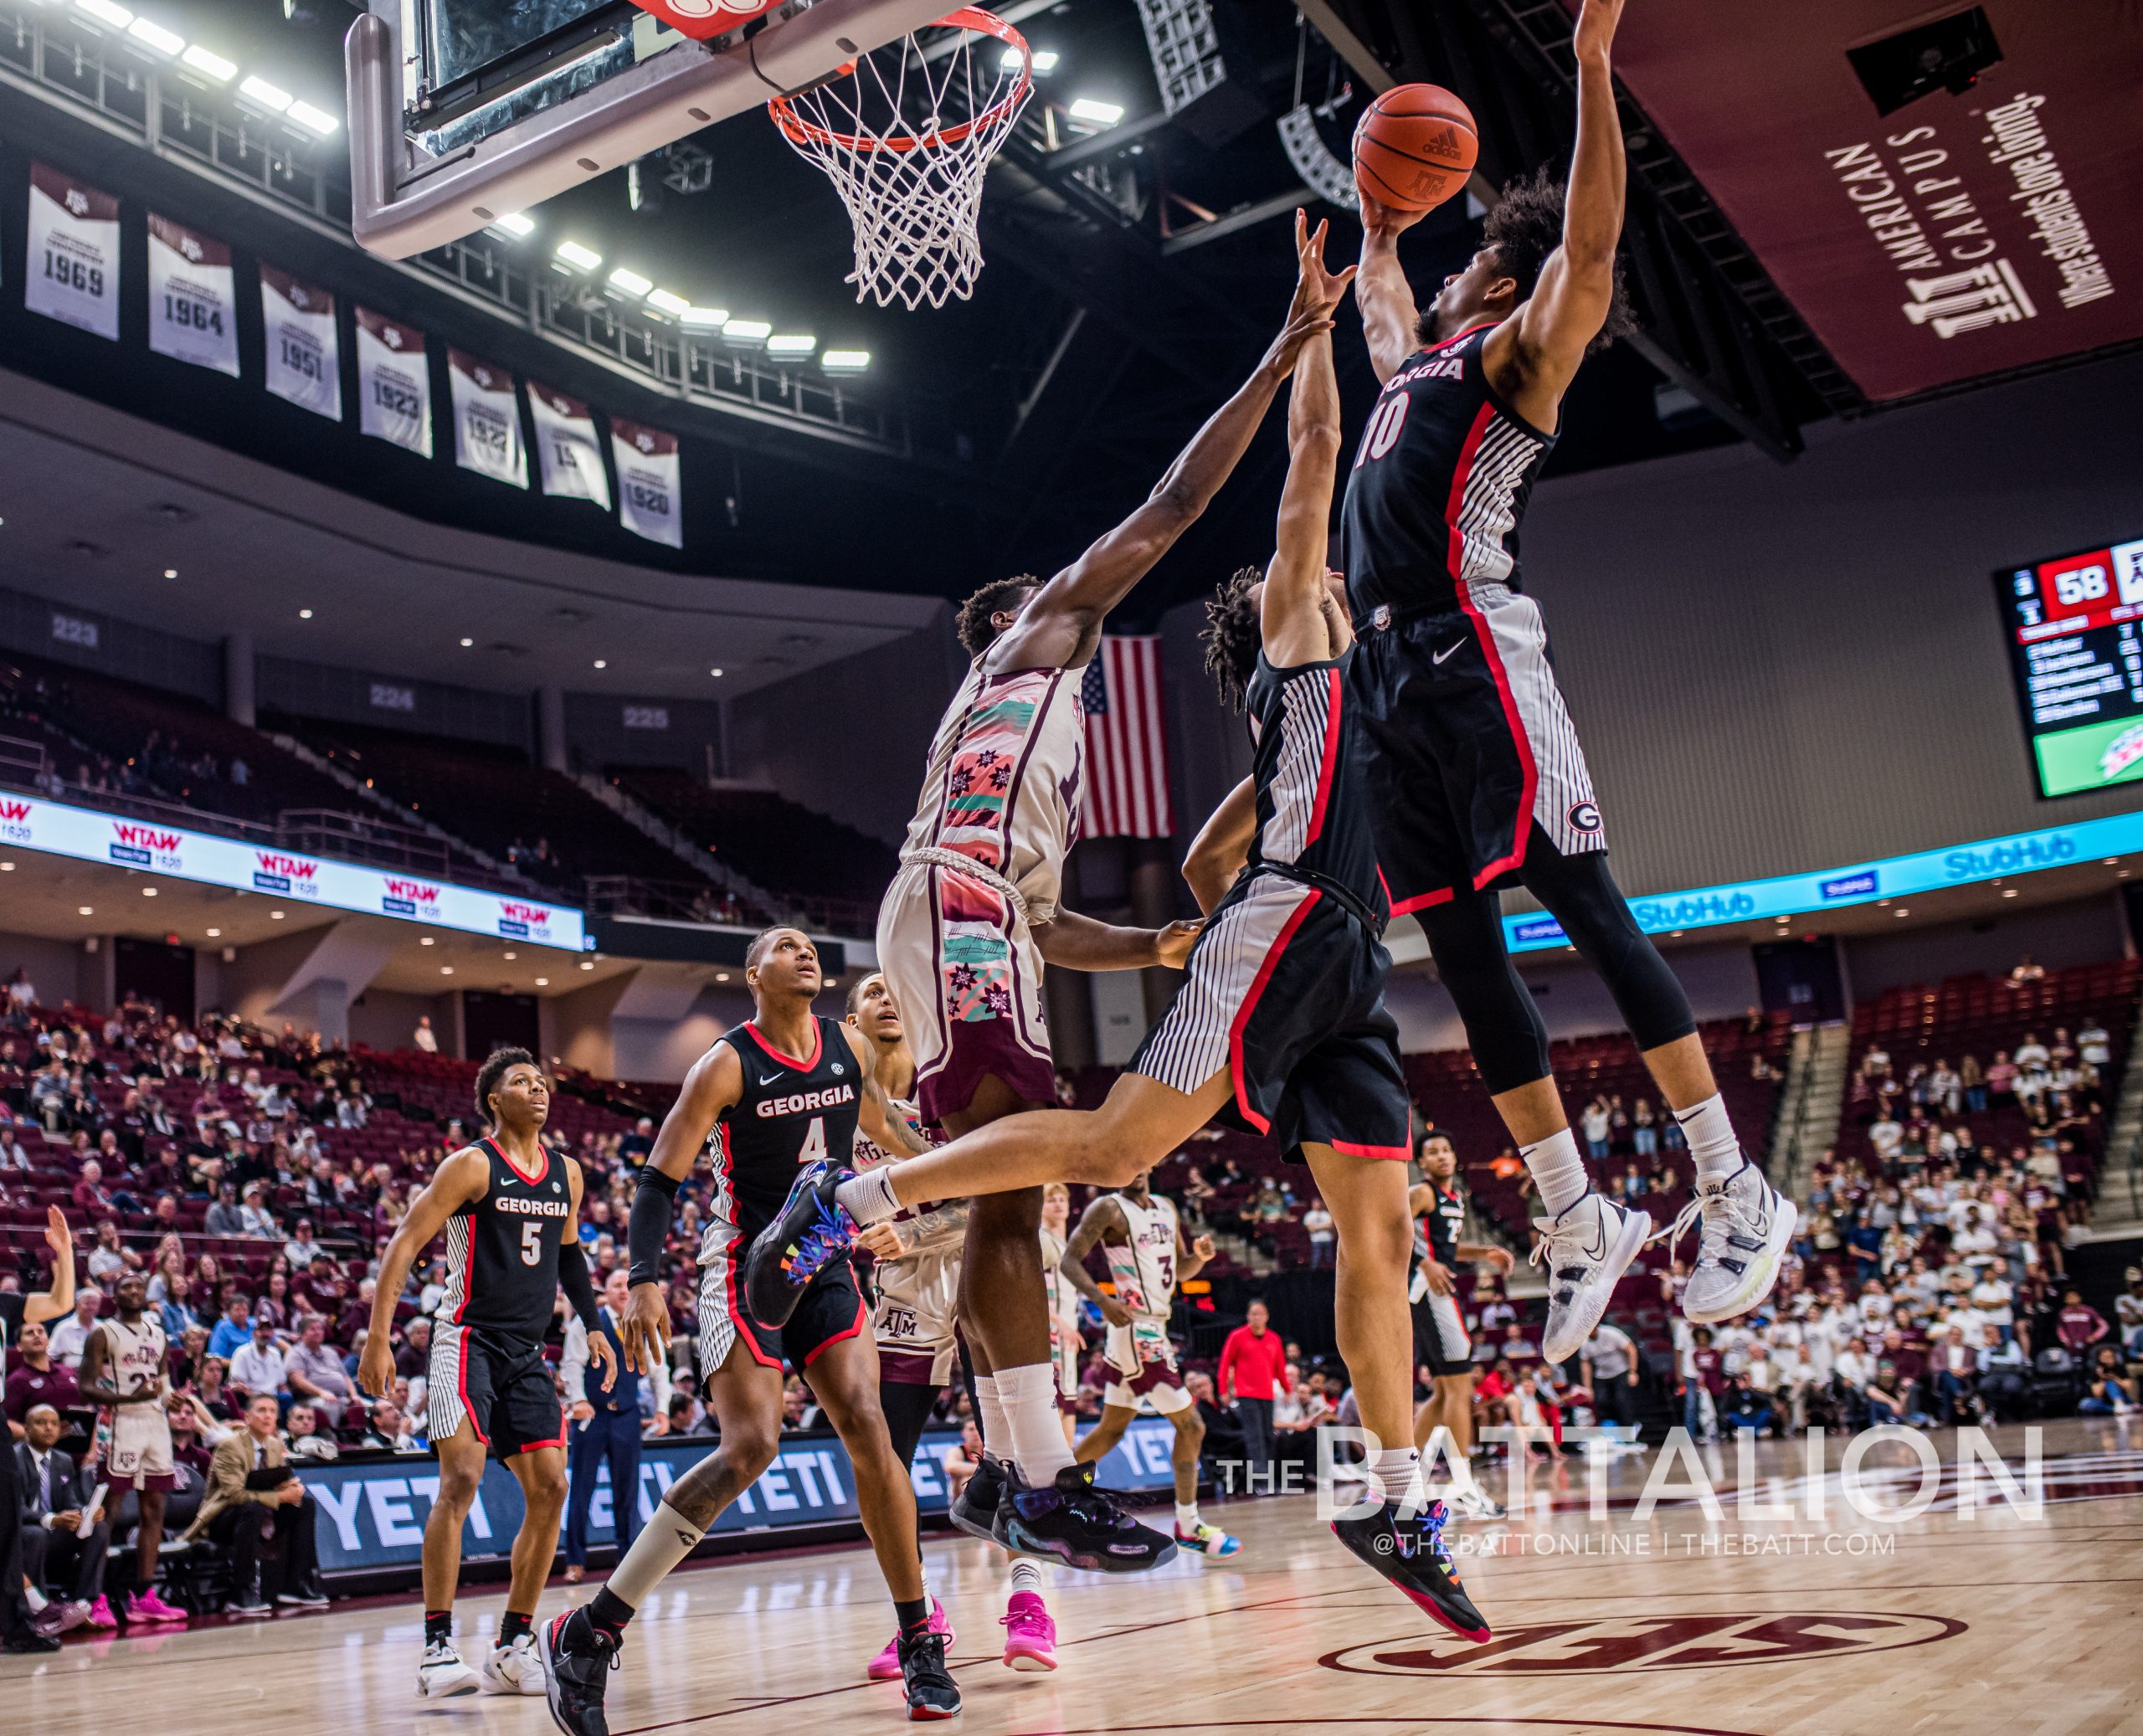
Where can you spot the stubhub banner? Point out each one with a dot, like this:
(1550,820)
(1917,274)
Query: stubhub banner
(372,1515)
(28,823)
(1794,895)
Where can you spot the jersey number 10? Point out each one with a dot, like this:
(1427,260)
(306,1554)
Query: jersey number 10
(1382,432)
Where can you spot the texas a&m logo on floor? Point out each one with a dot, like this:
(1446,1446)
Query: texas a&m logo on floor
(1646,1643)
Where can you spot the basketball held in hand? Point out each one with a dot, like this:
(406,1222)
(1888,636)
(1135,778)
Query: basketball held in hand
(1414,147)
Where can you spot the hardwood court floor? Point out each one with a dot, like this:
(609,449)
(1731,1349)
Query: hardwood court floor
(1994,1623)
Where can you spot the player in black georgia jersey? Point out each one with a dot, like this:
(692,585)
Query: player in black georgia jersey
(1441,1342)
(509,1208)
(781,1091)
(1476,776)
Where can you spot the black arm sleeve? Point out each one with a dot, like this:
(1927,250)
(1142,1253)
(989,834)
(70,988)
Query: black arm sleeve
(574,1280)
(649,1226)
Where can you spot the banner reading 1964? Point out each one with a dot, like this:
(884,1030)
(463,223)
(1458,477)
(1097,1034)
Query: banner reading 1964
(190,318)
(394,386)
(304,359)
(73,253)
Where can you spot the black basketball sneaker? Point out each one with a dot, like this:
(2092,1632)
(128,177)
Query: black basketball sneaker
(577,1664)
(975,1511)
(1077,1523)
(931,1694)
(1410,1551)
(810,1234)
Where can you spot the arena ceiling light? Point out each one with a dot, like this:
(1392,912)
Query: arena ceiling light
(707,319)
(1045,60)
(629,282)
(209,64)
(1097,113)
(845,361)
(542,982)
(104,13)
(153,35)
(312,120)
(271,97)
(791,343)
(515,223)
(670,302)
(747,332)
(581,259)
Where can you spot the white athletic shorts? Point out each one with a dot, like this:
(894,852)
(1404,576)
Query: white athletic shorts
(140,1446)
(913,1320)
(1143,1357)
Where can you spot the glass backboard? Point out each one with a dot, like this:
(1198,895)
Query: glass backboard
(463,111)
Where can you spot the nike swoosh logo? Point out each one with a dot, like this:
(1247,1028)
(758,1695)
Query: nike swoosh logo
(1449,651)
(771,1077)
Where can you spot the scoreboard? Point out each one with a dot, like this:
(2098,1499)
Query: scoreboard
(2075,632)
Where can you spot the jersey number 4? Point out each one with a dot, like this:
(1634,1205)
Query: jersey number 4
(815,1143)
(1382,433)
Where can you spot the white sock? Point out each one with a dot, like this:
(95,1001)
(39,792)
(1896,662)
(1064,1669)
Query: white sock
(1711,1137)
(665,1540)
(868,1198)
(1558,1171)
(996,1431)
(1026,1576)
(1029,1394)
(1186,1515)
(35,1599)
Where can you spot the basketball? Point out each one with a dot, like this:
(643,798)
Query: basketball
(1414,147)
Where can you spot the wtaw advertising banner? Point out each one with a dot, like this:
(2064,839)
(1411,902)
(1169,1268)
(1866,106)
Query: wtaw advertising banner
(372,1515)
(89,836)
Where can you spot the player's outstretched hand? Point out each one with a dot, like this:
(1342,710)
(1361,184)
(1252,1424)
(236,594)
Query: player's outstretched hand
(1595,33)
(646,1328)
(1305,319)
(599,1351)
(1316,283)
(1172,944)
(376,1366)
(1386,220)
(1503,1259)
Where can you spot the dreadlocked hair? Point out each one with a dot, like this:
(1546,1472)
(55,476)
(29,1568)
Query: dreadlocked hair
(976,633)
(1524,228)
(1233,634)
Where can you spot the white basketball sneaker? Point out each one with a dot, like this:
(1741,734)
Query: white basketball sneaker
(1747,1223)
(1471,1501)
(442,1675)
(514,1669)
(1584,1249)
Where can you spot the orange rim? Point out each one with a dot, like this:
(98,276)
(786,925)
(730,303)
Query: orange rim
(803,131)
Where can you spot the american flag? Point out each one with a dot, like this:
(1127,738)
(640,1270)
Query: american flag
(1127,743)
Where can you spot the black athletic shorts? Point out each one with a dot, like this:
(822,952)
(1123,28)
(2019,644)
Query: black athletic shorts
(1465,743)
(1284,988)
(503,1385)
(830,1309)
(1441,1344)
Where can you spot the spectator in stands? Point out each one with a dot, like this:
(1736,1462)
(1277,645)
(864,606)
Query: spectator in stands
(1317,1223)
(72,1334)
(257,1366)
(962,1461)
(422,1037)
(1608,1365)
(1703,1380)
(2109,1391)
(1971,1080)
(233,1330)
(34,1378)
(2003,1375)
(301,1250)
(302,1432)
(1594,1122)
(22,993)
(316,1374)
(253,1210)
(1884,1396)
(2079,1325)
(414,1357)
(2026,972)
(247,1508)
(388,1431)
(224,1217)
(107,1258)
(2128,1310)
(63,1545)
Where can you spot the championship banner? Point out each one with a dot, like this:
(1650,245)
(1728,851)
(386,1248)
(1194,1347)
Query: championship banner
(73,258)
(304,358)
(648,495)
(567,445)
(191,293)
(486,420)
(372,1515)
(394,386)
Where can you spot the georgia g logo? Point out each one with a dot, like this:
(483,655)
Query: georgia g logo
(1585,817)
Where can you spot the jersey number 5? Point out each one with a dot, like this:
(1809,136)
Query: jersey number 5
(1383,431)
(532,1243)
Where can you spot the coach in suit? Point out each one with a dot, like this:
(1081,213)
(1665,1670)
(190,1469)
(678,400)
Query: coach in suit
(246,1509)
(605,1425)
(56,1544)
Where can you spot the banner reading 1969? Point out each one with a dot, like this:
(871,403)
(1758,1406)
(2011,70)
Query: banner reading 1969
(55,828)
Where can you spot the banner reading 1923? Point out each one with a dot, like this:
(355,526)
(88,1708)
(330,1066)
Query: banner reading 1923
(394,382)
(190,318)
(73,253)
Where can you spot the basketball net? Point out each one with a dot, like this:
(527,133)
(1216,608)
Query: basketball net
(906,135)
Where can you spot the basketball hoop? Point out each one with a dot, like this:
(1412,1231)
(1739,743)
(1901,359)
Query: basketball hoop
(906,136)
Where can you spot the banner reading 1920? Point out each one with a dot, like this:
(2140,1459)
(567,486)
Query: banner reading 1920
(82,833)
(372,1515)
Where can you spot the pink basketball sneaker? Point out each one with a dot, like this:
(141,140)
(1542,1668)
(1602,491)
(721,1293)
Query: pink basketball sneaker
(1030,1634)
(886,1666)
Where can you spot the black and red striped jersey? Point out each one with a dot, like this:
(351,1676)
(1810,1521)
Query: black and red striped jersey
(1440,482)
(1313,819)
(502,1249)
(1436,1230)
(792,1110)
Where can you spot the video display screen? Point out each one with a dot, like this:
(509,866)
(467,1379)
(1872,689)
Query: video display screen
(2075,632)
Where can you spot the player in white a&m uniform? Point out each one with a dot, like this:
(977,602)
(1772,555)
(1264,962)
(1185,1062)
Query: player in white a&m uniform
(1142,1241)
(1065,1341)
(123,1367)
